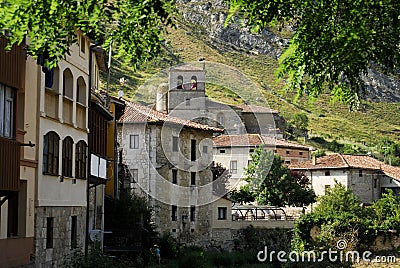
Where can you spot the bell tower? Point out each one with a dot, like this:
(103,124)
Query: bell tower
(186,93)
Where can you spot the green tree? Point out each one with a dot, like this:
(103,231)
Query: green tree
(298,124)
(133,27)
(270,182)
(337,216)
(333,44)
(387,210)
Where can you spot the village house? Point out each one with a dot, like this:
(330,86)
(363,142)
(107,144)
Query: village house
(367,177)
(170,162)
(234,152)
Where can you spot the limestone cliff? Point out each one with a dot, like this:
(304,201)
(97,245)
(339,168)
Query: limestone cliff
(208,18)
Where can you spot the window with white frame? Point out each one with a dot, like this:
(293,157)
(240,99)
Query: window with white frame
(51,153)
(7,98)
(233,167)
(134,142)
(222,211)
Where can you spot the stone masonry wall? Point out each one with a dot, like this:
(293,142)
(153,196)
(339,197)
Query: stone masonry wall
(55,256)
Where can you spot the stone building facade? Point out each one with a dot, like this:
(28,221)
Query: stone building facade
(234,152)
(365,176)
(170,159)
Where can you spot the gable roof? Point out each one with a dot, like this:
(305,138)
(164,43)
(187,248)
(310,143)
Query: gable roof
(254,140)
(338,161)
(136,113)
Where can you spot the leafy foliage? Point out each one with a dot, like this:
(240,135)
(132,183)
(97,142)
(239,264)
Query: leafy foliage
(298,124)
(334,41)
(271,183)
(339,216)
(134,27)
(387,210)
(221,178)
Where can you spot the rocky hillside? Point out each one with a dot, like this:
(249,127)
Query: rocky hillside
(209,17)
(200,33)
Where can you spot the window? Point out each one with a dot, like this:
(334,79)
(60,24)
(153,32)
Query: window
(375,183)
(233,167)
(192,213)
(174,176)
(251,151)
(67,157)
(80,160)
(180,82)
(194,83)
(81,91)
(7,98)
(175,144)
(174,213)
(300,153)
(192,178)
(193,150)
(287,152)
(287,162)
(222,151)
(51,153)
(68,83)
(205,149)
(135,175)
(249,162)
(49,232)
(327,172)
(134,142)
(360,173)
(83,44)
(222,213)
(187,103)
(74,233)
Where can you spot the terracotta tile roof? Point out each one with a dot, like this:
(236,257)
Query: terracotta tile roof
(335,161)
(254,140)
(136,113)
(237,140)
(256,109)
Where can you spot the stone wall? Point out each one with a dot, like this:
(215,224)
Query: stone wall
(54,257)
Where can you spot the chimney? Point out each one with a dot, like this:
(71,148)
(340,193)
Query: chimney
(161,100)
(314,160)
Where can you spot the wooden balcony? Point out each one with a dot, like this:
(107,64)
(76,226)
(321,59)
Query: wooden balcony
(9,164)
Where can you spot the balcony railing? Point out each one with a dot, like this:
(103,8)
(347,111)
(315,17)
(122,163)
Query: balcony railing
(9,164)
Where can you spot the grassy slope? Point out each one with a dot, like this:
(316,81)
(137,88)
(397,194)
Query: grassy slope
(332,120)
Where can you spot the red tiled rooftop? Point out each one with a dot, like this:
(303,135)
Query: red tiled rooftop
(254,140)
(136,113)
(335,161)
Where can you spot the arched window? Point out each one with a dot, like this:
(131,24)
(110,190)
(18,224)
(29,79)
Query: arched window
(51,153)
(80,160)
(180,82)
(68,83)
(67,157)
(81,91)
(194,83)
